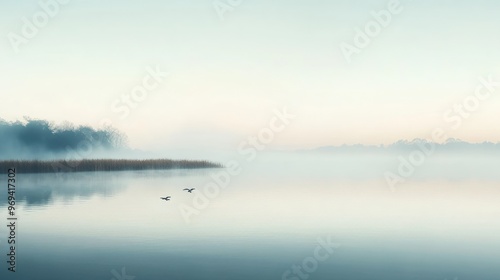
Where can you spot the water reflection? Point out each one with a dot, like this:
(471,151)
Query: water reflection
(34,190)
(84,225)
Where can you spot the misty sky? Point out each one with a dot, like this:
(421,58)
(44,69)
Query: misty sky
(227,76)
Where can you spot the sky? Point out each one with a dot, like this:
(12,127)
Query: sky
(231,67)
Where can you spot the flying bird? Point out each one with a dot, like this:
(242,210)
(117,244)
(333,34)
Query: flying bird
(189,190)
(165,198)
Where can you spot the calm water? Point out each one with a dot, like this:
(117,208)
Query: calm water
(444,223)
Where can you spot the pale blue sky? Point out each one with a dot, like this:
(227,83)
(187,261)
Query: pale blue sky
(226,77)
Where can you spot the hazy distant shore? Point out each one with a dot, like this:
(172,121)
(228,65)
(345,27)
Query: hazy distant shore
(86,165)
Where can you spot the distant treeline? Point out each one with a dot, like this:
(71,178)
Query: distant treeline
(449,146)
(53,166)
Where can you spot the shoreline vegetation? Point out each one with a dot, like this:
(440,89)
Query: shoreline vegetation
(102,165)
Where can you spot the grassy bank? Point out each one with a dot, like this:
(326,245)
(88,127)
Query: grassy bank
(52,166)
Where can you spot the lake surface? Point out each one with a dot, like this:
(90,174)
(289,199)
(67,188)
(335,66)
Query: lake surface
(330,218)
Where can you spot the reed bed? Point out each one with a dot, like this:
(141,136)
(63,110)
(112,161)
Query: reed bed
(86,165)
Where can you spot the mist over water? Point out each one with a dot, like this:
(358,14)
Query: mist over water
(441,223)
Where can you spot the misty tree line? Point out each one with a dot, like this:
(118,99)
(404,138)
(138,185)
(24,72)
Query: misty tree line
(53,166)
(44,136)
